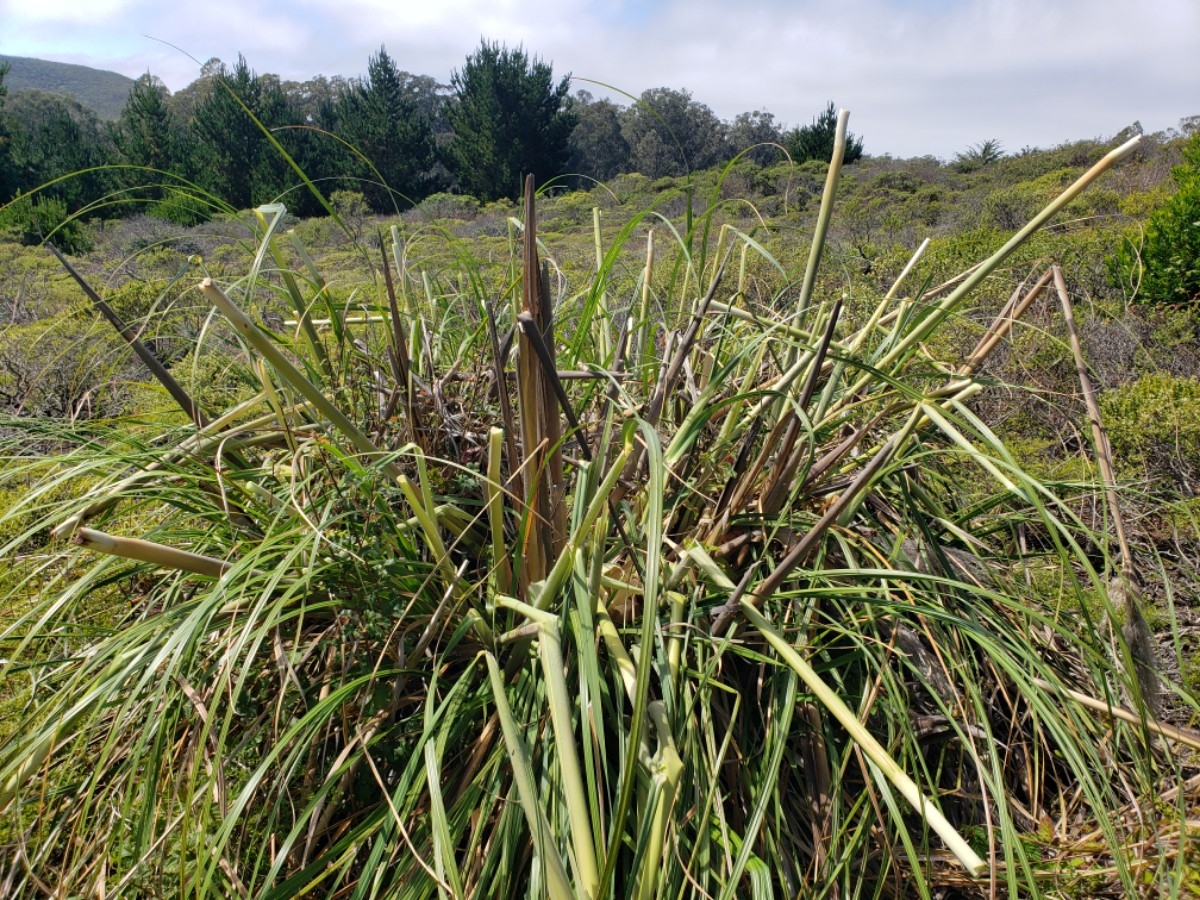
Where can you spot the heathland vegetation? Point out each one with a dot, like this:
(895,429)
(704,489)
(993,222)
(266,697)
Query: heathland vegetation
(744,514)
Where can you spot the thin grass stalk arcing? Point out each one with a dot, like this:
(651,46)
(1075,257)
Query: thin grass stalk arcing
(266,347)
(953,840)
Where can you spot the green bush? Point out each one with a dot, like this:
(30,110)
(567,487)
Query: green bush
(182,208)
(1154,423)
(45,219)
(1166,267)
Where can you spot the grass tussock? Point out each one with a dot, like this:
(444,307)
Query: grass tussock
(525,593)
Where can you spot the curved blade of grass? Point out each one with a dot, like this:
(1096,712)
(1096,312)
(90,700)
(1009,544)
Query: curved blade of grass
(265,346)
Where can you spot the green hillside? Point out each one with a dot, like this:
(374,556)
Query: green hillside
(104,92)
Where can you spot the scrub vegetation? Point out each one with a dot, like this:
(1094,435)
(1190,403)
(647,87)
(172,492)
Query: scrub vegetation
(813,528)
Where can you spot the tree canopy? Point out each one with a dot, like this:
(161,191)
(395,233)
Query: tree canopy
(390,135)
(669,133)
(509,119)
(815,141)
(6,174)
(381,117)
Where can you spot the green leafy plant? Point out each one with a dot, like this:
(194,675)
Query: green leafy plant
(34,220)
(977,156)
(1164,267)
(698,595)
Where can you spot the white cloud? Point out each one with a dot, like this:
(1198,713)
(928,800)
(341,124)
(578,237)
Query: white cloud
(18,13)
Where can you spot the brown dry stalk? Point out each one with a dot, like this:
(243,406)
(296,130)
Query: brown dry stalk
(1124,588)
(165,378)
(1003,324)
(722,615)
(535,417)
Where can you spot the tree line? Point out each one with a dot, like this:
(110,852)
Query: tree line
(241,138)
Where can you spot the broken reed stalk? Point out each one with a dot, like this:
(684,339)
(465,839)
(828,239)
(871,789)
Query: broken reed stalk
(723,614)
(1179,735)
(150,552)
(789,455)
(1124,587)
(499,356)
(401,368)
(670,372)
(165,378)
(1002,325)
(641,352)
(535,414)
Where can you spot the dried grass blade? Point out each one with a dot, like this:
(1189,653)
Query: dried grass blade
(1125,589)
(1003,324)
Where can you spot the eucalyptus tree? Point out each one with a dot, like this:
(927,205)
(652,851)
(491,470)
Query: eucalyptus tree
(754,132)
(598,149)
(669,133)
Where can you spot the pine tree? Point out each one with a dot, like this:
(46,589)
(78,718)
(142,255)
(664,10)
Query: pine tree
(815,141)
(509,119)
(147,133)
(236,160)
(381,118)
(52,137)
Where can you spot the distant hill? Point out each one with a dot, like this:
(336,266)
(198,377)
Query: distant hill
(104,92)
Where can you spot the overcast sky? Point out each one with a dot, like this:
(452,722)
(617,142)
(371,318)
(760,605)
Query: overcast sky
(919,76)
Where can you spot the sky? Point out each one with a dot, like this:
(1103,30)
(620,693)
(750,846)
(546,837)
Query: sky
(918,76)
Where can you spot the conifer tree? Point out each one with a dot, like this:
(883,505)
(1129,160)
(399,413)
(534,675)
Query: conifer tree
(381,118)
(147,133)
(236,161)
(815,141)
(509,119)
